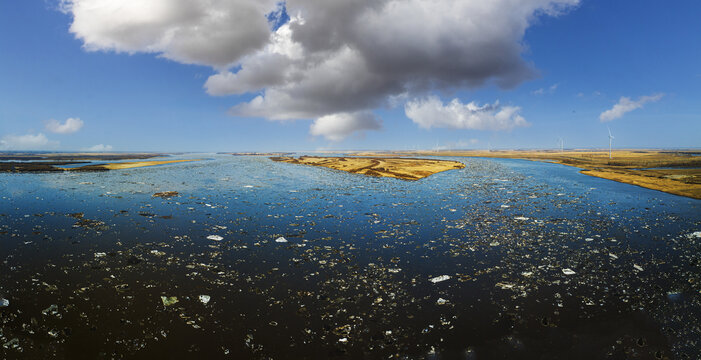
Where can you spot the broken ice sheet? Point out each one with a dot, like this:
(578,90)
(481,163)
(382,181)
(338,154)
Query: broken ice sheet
(567,271)
(215,238)
(328,282)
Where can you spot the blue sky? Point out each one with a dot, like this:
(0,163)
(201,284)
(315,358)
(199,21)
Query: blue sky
(586,58)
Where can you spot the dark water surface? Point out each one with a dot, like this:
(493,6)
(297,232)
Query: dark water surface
(540,262)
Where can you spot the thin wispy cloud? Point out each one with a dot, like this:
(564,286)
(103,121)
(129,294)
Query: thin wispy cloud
(69,126)
(333,59)
(550,90)
(457,145)
(99,148)
(626,105)
(430,112)
(27,142)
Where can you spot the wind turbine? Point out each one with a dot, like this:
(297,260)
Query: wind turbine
(561,142)
(610,141)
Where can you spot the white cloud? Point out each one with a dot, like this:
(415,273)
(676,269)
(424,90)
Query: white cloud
(99,148)
(27,142)
(626,105)
(431,112)
(337,127)
(549,90)
(69,126)
(333,56)
(212,32)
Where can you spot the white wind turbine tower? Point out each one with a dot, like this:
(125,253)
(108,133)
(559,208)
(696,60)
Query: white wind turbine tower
(561,142)
(610,142)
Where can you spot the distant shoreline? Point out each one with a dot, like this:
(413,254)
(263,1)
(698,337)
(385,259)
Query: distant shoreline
(56,162)
(674,172)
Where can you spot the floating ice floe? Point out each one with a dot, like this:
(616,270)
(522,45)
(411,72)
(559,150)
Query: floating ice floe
(100,254)
(281,240)
(521,218)
(568,272)
(613,256)
(4,302)
(504,286)
(204,299)
(248,186)
(588,239)
(438,279)
(394,271)
(215,237)
(527,273)
(505,206)
(169,300)
(441,301)
(51,310)
(695,234)
(638,267)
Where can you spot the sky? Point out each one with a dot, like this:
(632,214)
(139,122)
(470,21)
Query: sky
(305,75)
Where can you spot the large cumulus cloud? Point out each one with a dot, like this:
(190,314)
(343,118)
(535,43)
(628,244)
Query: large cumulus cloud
(333,57)
(208,32)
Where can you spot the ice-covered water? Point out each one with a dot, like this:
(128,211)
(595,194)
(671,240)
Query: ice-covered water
(541,262)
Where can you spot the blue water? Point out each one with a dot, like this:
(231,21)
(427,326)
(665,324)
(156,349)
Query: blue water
(351,240)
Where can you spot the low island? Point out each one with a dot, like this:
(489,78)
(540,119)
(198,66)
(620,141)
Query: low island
(399,168)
